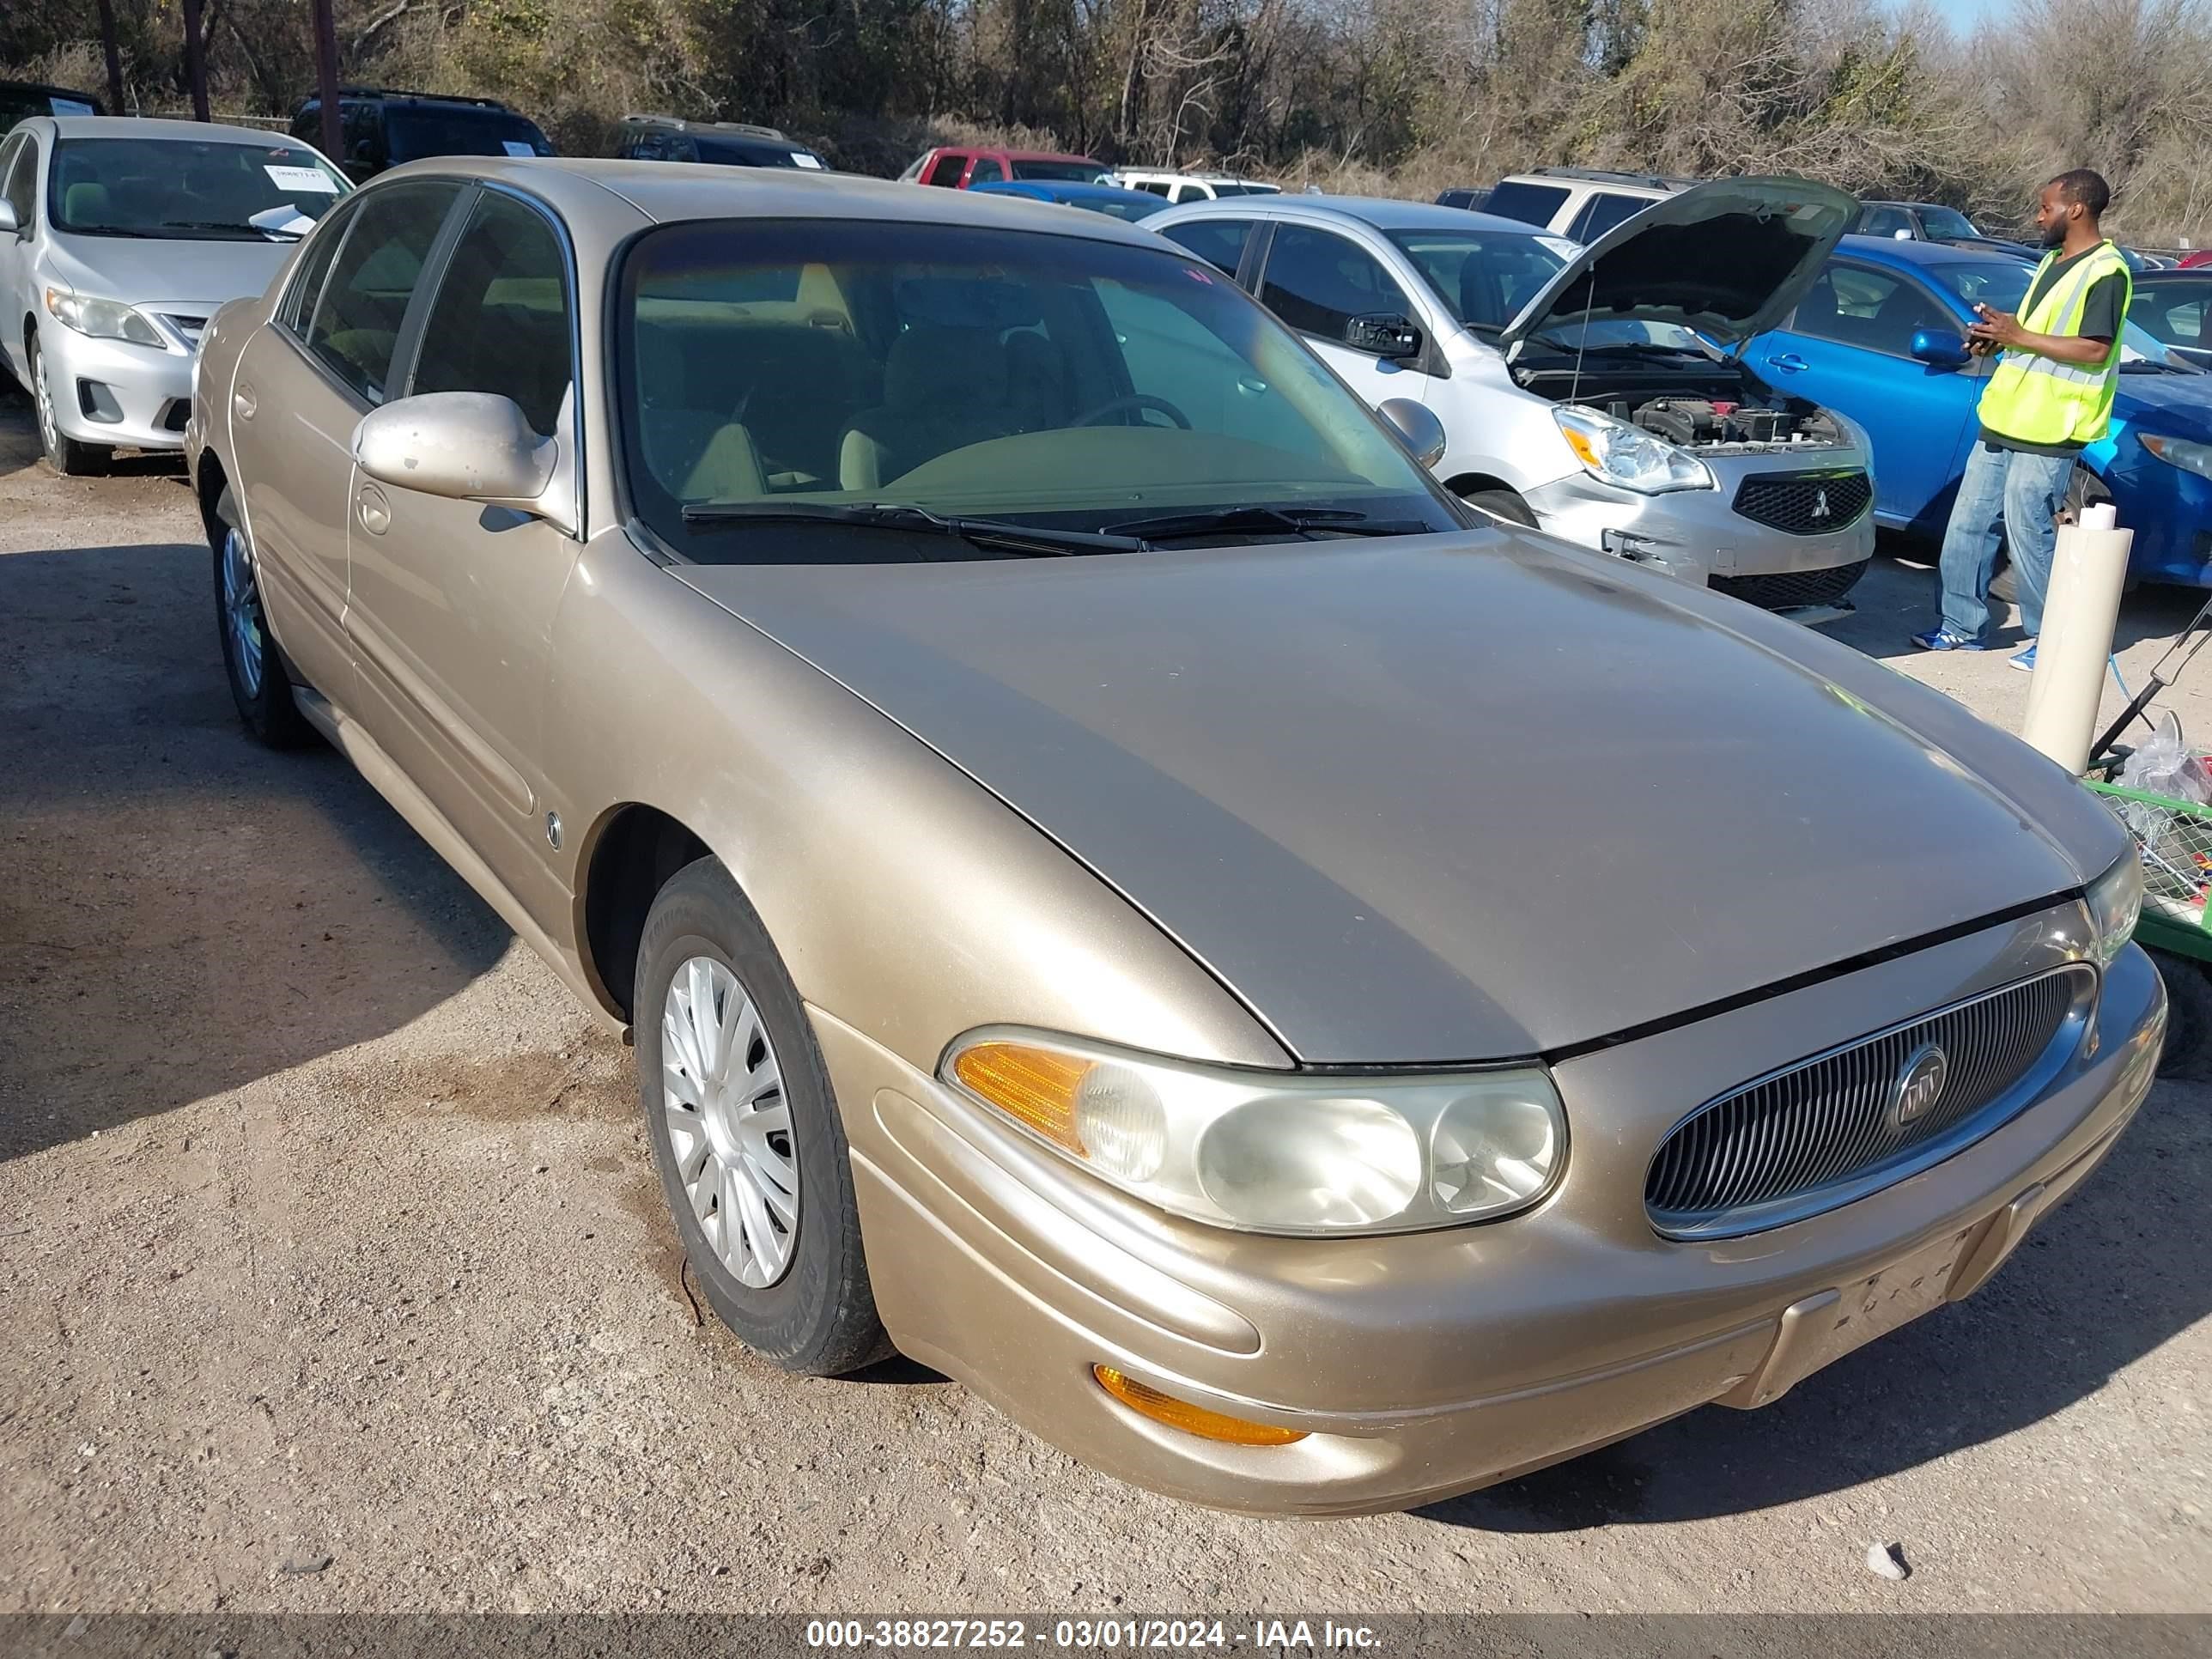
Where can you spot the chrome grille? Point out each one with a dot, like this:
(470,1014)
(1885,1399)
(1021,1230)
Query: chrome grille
(1824,1131)
(186,326)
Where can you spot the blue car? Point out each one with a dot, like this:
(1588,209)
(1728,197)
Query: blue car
(1131,204)
(1880,337)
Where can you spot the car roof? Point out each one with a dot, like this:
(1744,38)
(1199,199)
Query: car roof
(671,194)
(1379,213)
(143,127)
(1922,253)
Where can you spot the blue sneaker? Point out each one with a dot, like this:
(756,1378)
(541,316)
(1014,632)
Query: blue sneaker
(1942,639)
(2024,661)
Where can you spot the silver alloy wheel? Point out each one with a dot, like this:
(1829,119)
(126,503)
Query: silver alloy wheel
(729,1123)
(241,610)
(50,427)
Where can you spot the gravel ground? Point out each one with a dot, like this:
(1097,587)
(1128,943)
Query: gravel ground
(335,1277)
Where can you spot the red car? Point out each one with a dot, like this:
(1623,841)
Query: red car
(2197,260)
(957,167)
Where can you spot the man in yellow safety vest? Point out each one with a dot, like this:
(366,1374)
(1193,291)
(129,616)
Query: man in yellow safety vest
(2052,396)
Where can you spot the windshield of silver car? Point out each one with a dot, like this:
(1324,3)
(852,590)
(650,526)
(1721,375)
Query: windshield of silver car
(782,382)
(188,189)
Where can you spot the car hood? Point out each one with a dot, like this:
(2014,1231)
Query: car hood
(2176,403)
(1728,258)
(135,270)
(1449,798)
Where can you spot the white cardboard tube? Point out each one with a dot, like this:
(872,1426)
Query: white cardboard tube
(2087,570)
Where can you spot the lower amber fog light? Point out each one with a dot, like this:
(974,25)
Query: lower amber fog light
(1191,1420)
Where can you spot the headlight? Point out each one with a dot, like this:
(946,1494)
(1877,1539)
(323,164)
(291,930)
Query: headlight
(2184,453)
(1277,1153)
(103,320)
(2115,901)
(1629,456)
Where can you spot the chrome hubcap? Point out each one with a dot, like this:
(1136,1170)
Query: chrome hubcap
(729,1123)
(242,611)
(49,430)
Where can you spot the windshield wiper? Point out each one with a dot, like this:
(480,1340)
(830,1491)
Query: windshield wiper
(992,533)
(230,225)
(1305,521)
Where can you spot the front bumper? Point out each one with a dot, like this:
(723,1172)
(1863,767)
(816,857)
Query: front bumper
(113,392)
(1599,516)
(1427,1364)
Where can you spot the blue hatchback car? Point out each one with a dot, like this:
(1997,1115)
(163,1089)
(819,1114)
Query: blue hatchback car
(1131,204)
(1882,337)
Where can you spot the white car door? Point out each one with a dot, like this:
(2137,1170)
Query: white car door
(1339,297)
(19,171)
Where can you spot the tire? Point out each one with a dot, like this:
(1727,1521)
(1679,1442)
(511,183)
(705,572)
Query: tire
(2084,489)
(63,453)
(260,678)
(2188,1056)
(1502,504)
(813,1312)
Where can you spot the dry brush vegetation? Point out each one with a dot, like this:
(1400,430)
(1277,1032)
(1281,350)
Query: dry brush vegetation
(1402,97)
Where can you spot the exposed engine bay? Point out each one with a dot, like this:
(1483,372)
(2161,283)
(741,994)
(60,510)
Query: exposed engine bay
(1714,407)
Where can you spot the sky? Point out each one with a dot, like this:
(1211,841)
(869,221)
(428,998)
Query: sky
(1963,15)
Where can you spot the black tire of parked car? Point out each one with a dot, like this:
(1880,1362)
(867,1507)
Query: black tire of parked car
(63,453)
(819,1318)
(1503,504)
(268,711)
(2188,1057)
(2084,489)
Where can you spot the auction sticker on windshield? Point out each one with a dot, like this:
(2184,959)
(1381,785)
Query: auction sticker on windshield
(516,146)
(312,179)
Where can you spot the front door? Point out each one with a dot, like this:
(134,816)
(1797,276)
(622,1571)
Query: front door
(303,384)
(1849,347)
(453,602)
(19,176)
(1332,291)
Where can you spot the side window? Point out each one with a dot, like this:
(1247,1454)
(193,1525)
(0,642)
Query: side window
(314,265)
(1873,310)
(1219,242)
(1533,204)
(986,171)
(500,320)
(946,169)
(1602,212)
(356,321)
(1317,282)
(1157,187)
(1883,222)
(22,188)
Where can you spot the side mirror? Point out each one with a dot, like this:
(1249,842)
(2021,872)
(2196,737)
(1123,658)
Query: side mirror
(1939,347)
(463,445)
(7,220)
(1387,336)
(1417,425)
(1901,235)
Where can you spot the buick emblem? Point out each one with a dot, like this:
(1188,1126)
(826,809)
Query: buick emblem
(1919,1086)
(1820,511)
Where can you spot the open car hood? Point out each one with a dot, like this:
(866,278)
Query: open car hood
(1729,259)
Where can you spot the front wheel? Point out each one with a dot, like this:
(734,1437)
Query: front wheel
(63,453)
(1502,504)
(745,1132)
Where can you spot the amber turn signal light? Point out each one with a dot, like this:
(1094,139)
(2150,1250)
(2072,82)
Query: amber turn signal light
(1036,1087)
(1191,1420)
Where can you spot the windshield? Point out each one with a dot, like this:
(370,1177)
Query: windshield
(414,131)
(1247,190)
(1052,381)
(189,189)
(1483,277)
(2001,285)
(1941,221)
(1080,173)
(762,152)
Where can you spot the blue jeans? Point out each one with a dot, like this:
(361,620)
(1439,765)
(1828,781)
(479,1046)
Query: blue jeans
(2018,495)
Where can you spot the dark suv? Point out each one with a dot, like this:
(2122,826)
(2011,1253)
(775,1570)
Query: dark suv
(20,100)
(380,128)
(720,143)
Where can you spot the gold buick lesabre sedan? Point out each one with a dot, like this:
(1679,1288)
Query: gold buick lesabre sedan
(1310,999)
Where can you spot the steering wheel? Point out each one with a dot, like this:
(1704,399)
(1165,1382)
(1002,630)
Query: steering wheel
(1134,400)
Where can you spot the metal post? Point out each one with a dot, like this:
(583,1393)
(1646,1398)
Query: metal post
(196,60)
(114,57)
(326,80)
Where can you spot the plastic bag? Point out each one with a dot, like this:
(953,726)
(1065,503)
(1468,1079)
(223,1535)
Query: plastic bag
(2165,767)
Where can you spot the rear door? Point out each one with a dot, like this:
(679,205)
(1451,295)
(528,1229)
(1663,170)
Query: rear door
(1333,291)
(303,383)
(1849,346)
(452,602)
(19,175)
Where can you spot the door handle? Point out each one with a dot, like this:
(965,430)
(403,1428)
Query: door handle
(242,399)
(1789,362)
(375,512)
